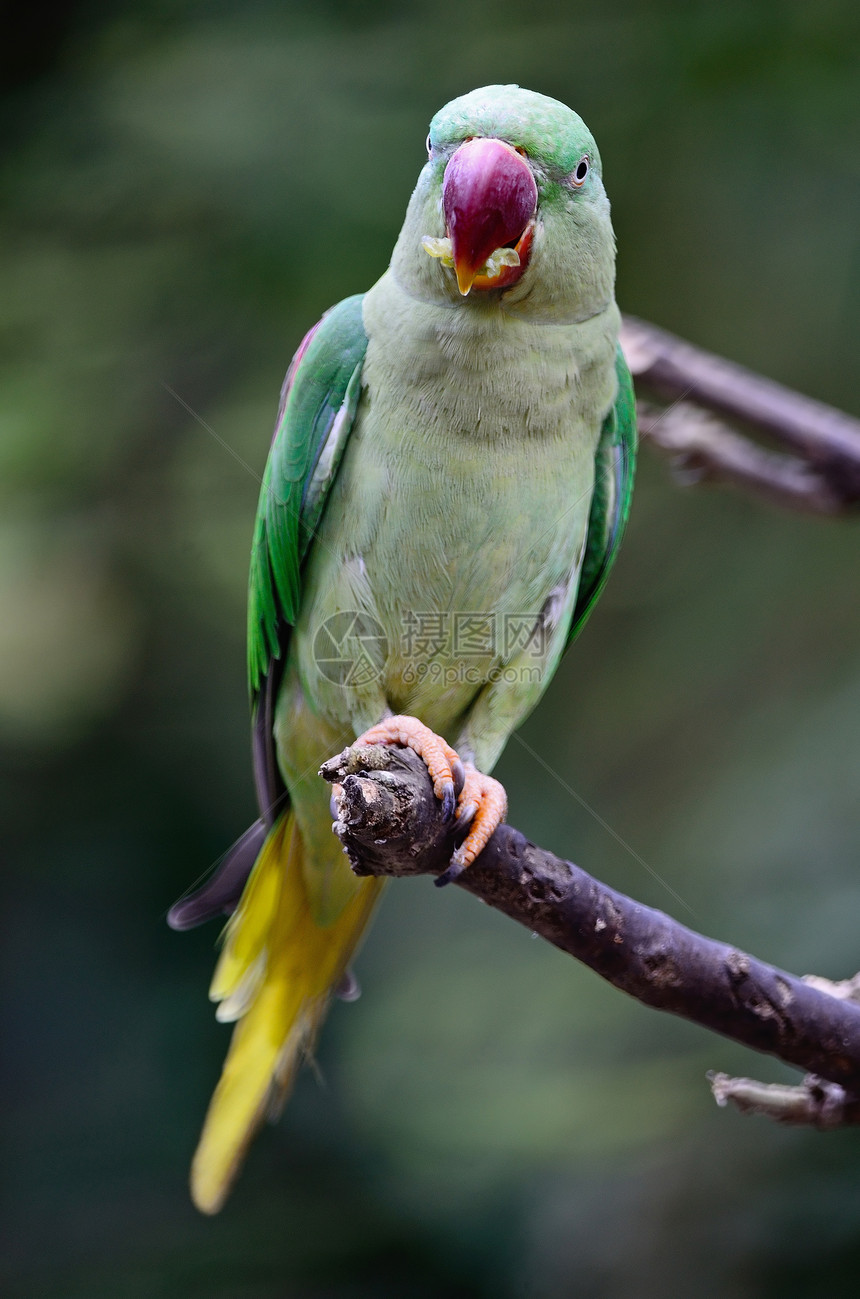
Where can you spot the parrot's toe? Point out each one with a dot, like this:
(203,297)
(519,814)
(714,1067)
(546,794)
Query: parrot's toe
(481,802)
(482,807)
(445,768)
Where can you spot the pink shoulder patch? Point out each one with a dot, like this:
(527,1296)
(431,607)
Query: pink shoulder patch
(292,372)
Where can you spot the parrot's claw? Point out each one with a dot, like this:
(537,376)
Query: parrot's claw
(481,802)
(451,793)
(437,755)
(482,807)
(449,800)
(454,871)
(466,815)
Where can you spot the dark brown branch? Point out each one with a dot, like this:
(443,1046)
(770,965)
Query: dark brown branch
(391,824)
(822,475)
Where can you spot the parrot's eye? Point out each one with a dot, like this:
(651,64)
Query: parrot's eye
(428,142)
(580,172)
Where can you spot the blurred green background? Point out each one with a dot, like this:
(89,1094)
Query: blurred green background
(186,187)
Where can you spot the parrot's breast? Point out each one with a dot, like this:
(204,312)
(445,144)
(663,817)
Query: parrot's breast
(449,552)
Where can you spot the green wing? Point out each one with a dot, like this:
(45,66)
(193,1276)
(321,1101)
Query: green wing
(614,468)
(318,405)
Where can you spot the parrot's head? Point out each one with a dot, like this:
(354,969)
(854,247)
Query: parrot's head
(509,209)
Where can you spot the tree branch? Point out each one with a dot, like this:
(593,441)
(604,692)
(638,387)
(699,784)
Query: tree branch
(815,1103)
(823,473)
(391,824)
(703,448)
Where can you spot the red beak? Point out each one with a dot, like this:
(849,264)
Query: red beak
(489,198)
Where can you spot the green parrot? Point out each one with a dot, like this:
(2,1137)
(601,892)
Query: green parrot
(447,488)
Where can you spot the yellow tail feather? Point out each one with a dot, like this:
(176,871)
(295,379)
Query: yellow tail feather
(277,972)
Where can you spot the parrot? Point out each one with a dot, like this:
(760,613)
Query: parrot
(446,491)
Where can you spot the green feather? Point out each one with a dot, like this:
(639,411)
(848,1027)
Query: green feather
(614,470)
(320,399)
(544,127)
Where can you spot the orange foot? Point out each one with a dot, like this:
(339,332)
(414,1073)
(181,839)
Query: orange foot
(482,804)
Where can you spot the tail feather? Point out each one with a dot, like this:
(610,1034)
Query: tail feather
(219,894)
(276,975)
(243,956)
